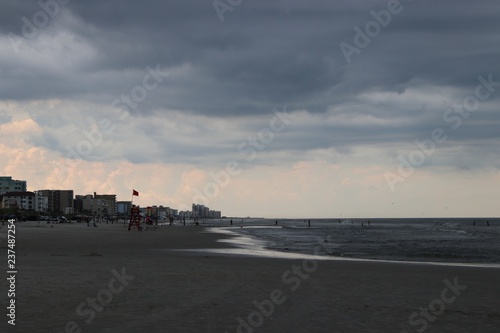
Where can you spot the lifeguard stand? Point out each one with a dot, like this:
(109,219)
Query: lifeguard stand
(135,218)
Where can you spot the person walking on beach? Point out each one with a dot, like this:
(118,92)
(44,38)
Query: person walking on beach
(309,223)
(276,222)
(231,222)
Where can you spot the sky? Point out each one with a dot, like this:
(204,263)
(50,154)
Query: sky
(273,108)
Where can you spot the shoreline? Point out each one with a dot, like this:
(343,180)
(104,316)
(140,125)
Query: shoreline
(246,245)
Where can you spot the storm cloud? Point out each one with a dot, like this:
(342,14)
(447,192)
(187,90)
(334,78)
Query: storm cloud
(68,65)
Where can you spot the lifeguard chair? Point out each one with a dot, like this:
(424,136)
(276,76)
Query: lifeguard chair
(135,218)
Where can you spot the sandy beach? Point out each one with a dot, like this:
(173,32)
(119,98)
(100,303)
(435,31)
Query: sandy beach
(72,278)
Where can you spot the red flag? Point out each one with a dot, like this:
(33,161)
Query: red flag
(134,192)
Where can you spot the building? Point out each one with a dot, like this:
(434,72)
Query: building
(24,200)
(214,214)
(197,210)
(78,204)
(123,207)
(7,184)
(110,202)
(202,211)
(97,205)
(59,201)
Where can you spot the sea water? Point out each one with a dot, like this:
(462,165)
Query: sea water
(460,240)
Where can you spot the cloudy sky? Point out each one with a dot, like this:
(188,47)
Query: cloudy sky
(257,108)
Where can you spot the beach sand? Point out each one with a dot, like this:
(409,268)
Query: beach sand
(167,290)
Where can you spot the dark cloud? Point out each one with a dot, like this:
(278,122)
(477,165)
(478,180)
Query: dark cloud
(263,55)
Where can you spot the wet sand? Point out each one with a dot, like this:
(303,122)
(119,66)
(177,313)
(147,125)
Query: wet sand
(72,278)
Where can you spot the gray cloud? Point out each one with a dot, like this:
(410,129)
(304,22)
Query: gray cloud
(264,55)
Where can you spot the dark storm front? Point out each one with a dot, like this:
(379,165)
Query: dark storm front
(423,240)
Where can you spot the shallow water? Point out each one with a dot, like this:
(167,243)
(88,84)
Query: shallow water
(420,240)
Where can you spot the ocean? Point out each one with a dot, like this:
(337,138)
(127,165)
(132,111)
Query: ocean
(447,240)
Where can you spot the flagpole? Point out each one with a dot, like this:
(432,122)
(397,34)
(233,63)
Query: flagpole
(131,205)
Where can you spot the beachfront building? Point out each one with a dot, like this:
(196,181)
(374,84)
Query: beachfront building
(157,212)
(78,204)
(59,201)
(197,210)
(214,214)
(123,207)
(204,212)
(7,184)
(24,200)
(110,201)
(185,214)
(99,206)
(82,203)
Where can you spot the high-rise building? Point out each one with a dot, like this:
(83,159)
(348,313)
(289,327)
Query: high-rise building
(7,184)
(204,212)
(59,201)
